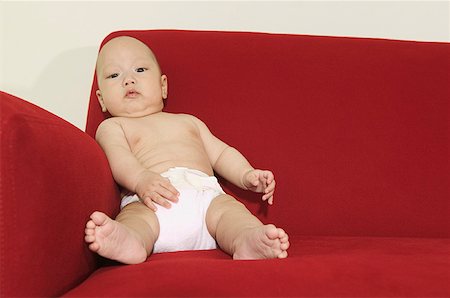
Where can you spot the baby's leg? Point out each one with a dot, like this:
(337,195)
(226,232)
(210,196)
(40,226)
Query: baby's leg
(241,234)
(128,239)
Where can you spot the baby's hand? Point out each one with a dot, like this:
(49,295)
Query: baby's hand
(152,187)
(261,181)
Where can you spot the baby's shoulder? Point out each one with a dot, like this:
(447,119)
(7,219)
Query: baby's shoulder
(181,118)
(109,123)
(187,117)
(107,128)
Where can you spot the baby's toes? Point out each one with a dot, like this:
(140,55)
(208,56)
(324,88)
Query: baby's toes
(284,239)
(271,232)
(94,246)
(89,238)
(90,224)
(284,245)
(89,231)
(283,255)
(281,233)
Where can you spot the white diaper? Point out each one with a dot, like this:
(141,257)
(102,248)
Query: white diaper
(183,226)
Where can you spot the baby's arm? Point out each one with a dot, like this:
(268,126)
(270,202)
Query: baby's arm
(233,166)
(128,171)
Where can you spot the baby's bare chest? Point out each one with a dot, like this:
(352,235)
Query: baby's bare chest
(156,134)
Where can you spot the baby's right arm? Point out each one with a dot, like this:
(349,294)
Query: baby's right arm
(128,171)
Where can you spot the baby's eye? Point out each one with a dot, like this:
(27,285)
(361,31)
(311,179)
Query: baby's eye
(112,76)
(141,69)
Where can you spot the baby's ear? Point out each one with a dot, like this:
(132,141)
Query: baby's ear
(100,100)
(164,87)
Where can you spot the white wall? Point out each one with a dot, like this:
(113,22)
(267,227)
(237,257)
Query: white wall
(48,49)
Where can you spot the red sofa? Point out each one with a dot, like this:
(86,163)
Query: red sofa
(356,131)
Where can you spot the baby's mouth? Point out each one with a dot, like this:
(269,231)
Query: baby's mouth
(131,93)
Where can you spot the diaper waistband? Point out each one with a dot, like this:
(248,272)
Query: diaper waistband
(182,177)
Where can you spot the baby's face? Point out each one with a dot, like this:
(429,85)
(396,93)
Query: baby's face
(129,79)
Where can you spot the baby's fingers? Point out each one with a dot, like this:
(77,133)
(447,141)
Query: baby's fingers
(268,197)
(149,203)
(268,175)
(253,179)
(268,192)
(169,194)
(158,199)
(169,191)
(270,186)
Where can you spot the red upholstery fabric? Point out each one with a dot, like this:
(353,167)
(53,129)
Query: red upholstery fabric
(317,266)
(355,130)
(52,177)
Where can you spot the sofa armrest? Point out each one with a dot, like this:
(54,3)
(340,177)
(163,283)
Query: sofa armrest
(53,176)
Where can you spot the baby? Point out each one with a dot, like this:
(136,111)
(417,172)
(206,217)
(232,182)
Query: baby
(169,160)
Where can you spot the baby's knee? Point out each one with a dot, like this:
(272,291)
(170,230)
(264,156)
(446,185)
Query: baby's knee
(224,202)
(219,206)
(138,211)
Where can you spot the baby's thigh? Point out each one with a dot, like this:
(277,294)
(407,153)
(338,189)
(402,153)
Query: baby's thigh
(219,205)
(138,214)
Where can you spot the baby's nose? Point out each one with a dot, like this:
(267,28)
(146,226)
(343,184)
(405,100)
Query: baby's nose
(129,81)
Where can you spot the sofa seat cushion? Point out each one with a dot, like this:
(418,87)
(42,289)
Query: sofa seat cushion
(316,266)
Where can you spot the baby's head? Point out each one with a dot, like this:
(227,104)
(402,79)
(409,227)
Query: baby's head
(129,78)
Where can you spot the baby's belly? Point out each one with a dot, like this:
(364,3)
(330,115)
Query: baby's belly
(177,154)
(200,165)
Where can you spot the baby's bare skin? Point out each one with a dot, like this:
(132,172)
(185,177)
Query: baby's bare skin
(141,142)
(161,141)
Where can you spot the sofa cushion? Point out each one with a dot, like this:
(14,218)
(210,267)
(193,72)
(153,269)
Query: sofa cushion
(355,130)
(52,176)
(316,266)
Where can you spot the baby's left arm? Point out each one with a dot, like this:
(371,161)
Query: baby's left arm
(233,166)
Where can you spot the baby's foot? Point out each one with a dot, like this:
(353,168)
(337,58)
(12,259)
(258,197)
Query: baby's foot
(263,242)
(113,240)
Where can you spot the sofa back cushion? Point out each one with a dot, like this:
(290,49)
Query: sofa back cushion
(355,130)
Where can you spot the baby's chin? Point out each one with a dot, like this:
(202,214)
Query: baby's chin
(137,113)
